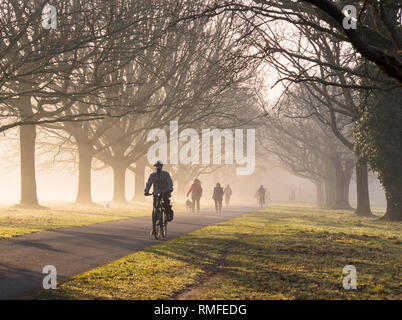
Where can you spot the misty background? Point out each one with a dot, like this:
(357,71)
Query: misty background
(77,101)
(58,183)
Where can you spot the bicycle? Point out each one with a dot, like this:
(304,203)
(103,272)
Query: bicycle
(159,216)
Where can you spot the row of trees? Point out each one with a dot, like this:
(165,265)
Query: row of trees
(113,70)
(108,74)
(346,79)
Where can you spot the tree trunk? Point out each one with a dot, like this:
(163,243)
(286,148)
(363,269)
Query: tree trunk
(139,180)
(29,196)
(330,192)
(342,183)
(319,185)
(119,188)
(363,199)
(329,185)
(393,193)
(84,195)
(342,193)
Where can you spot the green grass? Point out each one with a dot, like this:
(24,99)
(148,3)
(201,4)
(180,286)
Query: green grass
(15,221)
(276,253)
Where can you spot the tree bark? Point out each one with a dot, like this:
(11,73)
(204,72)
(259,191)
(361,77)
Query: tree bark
(119,187)
(84,195)
(363,199)
(29,196)
(342,183)
(393,194)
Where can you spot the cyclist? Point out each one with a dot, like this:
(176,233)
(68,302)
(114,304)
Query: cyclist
(163,184)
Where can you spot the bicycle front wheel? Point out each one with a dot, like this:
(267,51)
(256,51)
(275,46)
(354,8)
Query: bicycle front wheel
(164,225)
(158,229)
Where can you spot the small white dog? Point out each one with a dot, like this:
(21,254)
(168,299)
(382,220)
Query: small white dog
(189,205)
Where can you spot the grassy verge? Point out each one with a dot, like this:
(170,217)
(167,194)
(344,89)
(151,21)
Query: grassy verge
(15,221)
(277,253)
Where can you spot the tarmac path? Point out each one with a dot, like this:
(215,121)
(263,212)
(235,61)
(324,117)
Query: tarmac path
(75,250)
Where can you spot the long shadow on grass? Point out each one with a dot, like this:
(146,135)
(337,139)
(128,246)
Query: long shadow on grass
(192,249)
(295,251)
(290,271)
(346,222)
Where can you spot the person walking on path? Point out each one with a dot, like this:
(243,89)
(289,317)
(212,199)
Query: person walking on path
(260,195)
(218,197)
(196,194)
(228,193)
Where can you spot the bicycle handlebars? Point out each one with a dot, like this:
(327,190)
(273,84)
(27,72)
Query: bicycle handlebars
(155,194)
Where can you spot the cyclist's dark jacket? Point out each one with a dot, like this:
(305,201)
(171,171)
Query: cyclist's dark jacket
(162,182)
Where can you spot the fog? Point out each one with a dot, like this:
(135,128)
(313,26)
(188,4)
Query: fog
(58,186)
(282,114)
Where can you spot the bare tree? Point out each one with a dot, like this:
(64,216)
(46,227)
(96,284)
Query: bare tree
(41,68)
(308,148)
(187,75)
(328,18)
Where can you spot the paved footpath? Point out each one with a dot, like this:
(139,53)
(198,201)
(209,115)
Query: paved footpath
(78,249)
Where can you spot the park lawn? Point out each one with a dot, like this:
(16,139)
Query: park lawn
(15,221)
(280,252)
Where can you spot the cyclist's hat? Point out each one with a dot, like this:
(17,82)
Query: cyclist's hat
(158,163)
